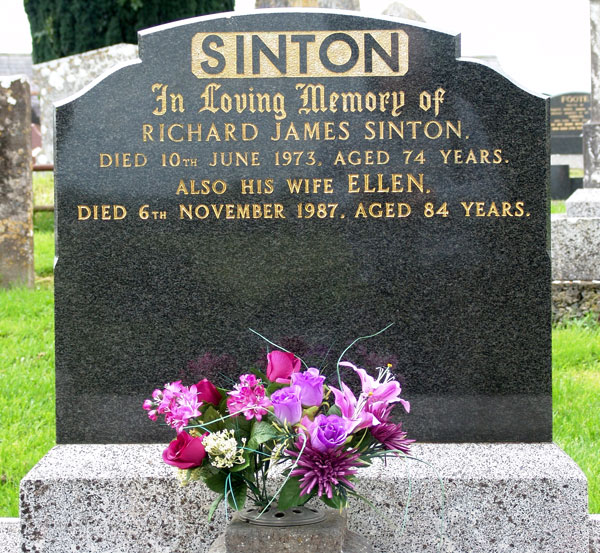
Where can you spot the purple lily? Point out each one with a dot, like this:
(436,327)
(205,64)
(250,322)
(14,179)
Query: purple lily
(352,410)
(384,388)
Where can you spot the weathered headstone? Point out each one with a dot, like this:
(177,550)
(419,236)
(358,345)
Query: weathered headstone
(16,192)
(591,131)
(314,185)
(398,9)
(568,113)
(314,176)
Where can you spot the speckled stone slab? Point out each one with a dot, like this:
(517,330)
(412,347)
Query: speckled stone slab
(575,252)
(594,533)
(496,498)
(417,196)
(10,535)
(584,202)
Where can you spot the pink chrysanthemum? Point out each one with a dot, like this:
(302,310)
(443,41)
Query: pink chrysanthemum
(248,398)
(324,469)
(391,436)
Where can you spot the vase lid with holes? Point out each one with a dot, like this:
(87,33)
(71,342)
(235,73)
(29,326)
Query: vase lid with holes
(273,516)
(295,530)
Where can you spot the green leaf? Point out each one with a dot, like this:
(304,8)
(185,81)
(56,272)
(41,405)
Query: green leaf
(310,412)
(214,505)
(215,481)
(252,444)
(335,410)
(259,374)
(274,386)
(239,425)
(242,466)
(236,495)
(263,432)
(336,502)
(290,494)
(209,415)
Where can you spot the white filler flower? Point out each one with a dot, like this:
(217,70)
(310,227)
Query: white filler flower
(222,448)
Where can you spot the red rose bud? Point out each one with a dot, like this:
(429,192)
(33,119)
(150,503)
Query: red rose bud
(207,392)
(185,452)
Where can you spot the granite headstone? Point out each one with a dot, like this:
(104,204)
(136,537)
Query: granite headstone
(313,176)
(568,113)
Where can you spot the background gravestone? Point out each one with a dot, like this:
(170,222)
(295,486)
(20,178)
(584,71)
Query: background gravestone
(337,4)
(16,192)
(315,177)
(568,113)
(60,78)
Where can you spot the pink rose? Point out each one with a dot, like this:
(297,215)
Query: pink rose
(281,365)
(185,452)
(207,393)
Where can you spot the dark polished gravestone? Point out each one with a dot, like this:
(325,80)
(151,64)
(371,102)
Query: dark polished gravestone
(568,113)
(313,176)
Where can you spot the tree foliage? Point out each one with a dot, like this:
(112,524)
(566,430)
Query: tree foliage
(65,27)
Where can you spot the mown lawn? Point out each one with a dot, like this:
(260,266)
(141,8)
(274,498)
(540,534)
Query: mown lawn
(576,398)
(27,370)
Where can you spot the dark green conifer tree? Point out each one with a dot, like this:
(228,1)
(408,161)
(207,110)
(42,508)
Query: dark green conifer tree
(65,27)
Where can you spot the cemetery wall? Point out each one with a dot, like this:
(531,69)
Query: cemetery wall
(575,300)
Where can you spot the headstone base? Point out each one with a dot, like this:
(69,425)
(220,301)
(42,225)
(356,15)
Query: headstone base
(496,497)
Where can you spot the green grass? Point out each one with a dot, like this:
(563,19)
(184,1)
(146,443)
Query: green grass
(27,370)
(558,206)
(43,244)
(576,398)
(575,173)
(26,386)
(43,188)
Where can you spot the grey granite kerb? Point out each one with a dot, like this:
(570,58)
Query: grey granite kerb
(530,498)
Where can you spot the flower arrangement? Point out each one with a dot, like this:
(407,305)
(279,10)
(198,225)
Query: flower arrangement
(320,433)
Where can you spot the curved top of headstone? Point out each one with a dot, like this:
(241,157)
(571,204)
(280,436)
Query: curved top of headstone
(163,45)
(275,20)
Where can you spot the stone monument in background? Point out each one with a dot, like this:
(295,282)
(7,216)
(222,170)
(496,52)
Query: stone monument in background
(576,233)
(60,78)
(568,113)
(334,4)
(591,130)
(16,192)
